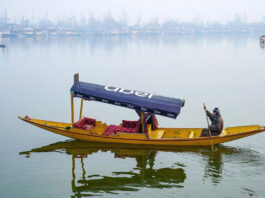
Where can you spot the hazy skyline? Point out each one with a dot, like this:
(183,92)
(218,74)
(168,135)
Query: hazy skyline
(188,10)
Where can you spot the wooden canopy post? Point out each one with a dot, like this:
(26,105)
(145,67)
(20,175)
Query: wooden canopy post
(76,79)
(81,108)
(143,125)
(142,121)
(72,108)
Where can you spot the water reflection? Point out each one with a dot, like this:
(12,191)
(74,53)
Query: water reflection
(129,181)
(144,174)
(214,166)
(111,43)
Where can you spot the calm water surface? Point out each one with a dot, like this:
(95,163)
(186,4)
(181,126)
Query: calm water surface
(35,78)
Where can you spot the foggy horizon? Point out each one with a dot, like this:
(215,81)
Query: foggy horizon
(134,12)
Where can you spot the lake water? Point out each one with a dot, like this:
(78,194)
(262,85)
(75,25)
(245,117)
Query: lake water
(221,70)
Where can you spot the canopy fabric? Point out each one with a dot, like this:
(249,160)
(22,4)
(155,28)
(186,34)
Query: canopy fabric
(145,102)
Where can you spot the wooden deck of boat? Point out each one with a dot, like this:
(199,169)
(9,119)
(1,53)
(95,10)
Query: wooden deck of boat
(160,136)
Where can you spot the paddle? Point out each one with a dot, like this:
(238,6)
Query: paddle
(208,125)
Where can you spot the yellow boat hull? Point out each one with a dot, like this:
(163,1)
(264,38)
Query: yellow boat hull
(159,137)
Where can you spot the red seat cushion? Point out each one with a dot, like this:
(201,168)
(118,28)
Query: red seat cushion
(112,129)
(155,126)
(130,124)
(85,123)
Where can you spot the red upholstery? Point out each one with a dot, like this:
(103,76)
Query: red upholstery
(155,126)
(85,123)
(127,127)
(145,124)
(130,124)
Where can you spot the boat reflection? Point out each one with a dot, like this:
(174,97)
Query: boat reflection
(144,174)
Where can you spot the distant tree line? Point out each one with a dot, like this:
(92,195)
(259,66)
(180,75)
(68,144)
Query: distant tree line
(111,26)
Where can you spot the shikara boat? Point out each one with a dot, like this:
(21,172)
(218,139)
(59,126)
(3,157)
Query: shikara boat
(2,45)
(262,39)
(144,131)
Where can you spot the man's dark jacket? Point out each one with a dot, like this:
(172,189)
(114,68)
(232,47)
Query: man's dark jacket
(217,123)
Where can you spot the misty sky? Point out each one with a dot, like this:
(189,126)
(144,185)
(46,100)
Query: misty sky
(147,10)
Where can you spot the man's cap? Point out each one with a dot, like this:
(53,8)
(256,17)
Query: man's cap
(216,110)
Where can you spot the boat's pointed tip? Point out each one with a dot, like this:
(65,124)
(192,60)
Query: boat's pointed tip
(21,118)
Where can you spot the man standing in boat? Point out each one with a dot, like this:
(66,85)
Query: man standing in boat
(217,123)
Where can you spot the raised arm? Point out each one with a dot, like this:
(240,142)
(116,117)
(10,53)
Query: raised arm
(210,115)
